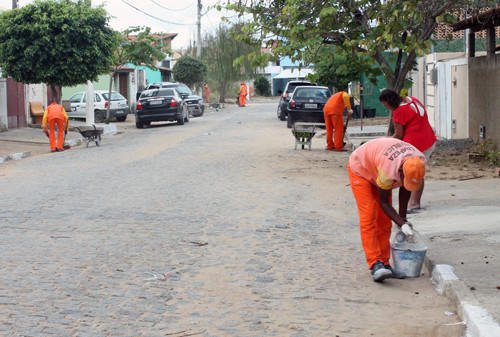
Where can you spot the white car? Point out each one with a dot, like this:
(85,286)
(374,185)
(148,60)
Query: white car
(119,106)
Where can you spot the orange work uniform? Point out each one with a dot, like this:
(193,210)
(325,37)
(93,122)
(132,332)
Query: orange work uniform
(55,115)
(243,94)
(373,166)
(207,93)
(334,111)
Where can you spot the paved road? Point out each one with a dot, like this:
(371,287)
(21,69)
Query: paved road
(214,228)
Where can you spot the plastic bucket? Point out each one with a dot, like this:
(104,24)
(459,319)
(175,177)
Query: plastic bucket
(408,258)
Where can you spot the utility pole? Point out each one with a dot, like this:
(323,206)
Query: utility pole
(14,3)
(198,49)
(89,93)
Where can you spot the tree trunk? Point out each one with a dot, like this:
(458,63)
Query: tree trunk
(222,91)
(57,96)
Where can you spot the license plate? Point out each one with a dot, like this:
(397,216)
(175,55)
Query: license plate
(119,112)
(155,102)
(310,106)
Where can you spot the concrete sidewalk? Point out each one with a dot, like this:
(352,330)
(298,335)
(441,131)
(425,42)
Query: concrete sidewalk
(16,144)
(460,225)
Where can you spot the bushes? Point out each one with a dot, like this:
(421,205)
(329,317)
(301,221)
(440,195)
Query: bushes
(262,86)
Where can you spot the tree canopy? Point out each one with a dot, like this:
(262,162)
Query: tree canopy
(362,29)
(227,58)
(189,71)
(58,42)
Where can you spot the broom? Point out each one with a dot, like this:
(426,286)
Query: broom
(66,146)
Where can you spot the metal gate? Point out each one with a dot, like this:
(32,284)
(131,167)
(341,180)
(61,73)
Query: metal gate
(16,114)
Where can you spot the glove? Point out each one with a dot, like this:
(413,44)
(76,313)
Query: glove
(349,112)
(407,229)
(65,132)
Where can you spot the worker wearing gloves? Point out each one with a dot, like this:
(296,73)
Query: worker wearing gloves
(334,111)
(243,93)
(55,115)
(375,169)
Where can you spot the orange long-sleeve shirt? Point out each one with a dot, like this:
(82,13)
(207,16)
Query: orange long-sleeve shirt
(337,103)
(55,111)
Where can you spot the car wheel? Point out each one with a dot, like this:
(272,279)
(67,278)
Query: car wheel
(139,125)
(147,123)
(122,118)
(282,114)
(289,122)
(98,116)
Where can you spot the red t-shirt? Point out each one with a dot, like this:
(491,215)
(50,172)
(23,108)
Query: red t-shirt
(417,129)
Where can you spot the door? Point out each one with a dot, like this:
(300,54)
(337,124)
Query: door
(16,113)
(459,102)
(123,83)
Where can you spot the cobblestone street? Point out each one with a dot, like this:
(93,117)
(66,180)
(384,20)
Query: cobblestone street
(214,228)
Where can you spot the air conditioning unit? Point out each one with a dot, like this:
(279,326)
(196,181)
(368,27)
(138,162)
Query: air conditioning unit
(165,63)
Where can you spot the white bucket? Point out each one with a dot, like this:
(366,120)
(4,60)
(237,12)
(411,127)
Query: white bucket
(408,258)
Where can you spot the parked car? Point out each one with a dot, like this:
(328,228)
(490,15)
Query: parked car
(285,97)
(157,105)
(306,104)
(119,106)
(194,102)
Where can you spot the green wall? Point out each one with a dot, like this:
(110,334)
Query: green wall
(101,84)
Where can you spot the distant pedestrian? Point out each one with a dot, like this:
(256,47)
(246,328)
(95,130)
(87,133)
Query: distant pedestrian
(207,92)
(411,124)
(334,119)
(375,169)
(55,115)
(243,93)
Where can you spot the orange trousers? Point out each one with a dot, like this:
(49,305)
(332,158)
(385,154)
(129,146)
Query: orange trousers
(243,100)
(375,226)
(52,132)
(336,122)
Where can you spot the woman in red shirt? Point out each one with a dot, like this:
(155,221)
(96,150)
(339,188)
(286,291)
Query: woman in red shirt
(411,125)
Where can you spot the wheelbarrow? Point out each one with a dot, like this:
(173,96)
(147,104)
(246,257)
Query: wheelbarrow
(304,133)
(90,134)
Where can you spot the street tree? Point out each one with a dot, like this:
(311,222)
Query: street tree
(364,30)
(57,42)
(334,69)
(190,71)
(226,57)
(138,47)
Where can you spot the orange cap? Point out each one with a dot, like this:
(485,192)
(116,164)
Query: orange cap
(414,172)
(242,83)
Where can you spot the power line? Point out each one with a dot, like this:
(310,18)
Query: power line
(154,17)
(168,9)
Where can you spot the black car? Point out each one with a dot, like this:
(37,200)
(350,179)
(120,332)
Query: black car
(158,105)
(285,97)
(195,103)
(306,104)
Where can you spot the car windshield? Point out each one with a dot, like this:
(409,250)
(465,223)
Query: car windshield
(311,93)
(183,89)
(114,96)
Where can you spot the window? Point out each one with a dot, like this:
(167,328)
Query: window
(76,98)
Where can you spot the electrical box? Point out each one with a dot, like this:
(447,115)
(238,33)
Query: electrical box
(433,76)
(482,132)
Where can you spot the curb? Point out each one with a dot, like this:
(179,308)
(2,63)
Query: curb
(478,321)
(15,156)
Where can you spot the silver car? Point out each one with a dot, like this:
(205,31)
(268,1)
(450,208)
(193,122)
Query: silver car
(119,106)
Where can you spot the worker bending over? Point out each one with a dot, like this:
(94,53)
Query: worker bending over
(55,115)
(334,112)
(375,169)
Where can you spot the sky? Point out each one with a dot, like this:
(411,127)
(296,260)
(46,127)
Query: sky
(163,16)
